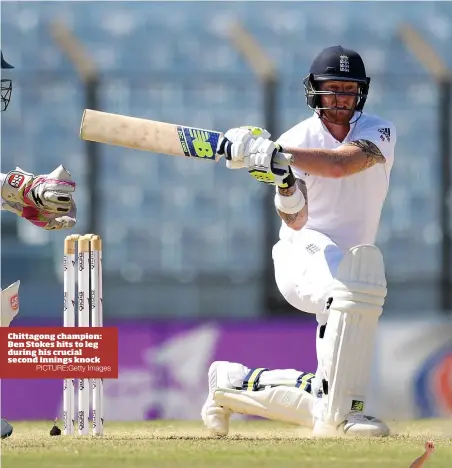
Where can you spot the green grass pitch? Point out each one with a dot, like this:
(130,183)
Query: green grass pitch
(260,444)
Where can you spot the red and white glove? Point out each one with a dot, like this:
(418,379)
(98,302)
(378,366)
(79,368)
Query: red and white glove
(44,200)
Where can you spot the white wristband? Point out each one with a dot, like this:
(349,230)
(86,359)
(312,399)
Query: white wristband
(290,204)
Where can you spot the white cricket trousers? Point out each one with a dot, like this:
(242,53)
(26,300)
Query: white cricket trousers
(304,270)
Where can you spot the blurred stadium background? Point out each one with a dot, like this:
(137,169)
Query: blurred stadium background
(183,269)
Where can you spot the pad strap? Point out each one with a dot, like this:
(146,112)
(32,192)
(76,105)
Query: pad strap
(251,381)
(304,381)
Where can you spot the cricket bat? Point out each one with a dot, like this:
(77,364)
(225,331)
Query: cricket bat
(149,135)
(153,136)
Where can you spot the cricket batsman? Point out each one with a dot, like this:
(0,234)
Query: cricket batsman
(329,193)
(44,200)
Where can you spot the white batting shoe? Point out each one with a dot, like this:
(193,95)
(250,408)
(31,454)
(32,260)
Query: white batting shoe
(357,424)
(216,418)
(361,425)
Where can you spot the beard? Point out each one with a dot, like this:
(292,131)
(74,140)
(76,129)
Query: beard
(338,116)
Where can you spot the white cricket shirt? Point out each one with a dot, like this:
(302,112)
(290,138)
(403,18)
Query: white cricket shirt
(346,209)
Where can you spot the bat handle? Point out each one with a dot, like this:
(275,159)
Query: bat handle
(282,158)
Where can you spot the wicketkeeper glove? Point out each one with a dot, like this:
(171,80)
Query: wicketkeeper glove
(44,200)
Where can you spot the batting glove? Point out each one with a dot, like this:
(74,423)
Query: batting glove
(235,145)
(267,163)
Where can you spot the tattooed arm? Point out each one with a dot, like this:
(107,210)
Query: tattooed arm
(297,220)
(345,160)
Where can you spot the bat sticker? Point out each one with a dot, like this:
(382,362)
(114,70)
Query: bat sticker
(198,143)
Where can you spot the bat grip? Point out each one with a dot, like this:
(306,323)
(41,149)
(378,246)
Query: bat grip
(282,158)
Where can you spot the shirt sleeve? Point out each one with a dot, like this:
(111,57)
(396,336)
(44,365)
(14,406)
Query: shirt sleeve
(384,137)
(287,140)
